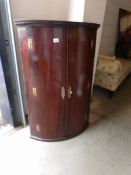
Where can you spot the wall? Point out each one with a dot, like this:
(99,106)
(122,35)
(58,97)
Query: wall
(110,26)
(71,10)
(94,12)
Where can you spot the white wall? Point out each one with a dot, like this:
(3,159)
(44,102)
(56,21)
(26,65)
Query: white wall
(109,34)
(94,12)
(71,10)
(76,10)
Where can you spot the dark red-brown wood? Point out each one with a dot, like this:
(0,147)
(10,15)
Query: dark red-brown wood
(55,55)
(78,78)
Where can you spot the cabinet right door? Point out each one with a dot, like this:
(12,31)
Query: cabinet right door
(80,46)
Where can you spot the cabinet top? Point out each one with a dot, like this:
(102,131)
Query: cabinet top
(36,23)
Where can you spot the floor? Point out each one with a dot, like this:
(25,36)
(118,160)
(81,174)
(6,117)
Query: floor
(103,149)
(5,113)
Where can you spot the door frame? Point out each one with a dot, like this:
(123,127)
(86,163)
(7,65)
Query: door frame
(19,116)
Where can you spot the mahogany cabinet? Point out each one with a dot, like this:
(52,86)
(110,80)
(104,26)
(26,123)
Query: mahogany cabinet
(57,60)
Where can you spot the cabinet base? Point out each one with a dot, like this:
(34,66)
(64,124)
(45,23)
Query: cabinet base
(59,139)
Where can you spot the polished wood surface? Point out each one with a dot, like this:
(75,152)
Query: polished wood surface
(49,23)
(45,72)
(56,57)
(79,49)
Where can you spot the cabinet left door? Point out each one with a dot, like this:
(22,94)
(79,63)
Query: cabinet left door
(43,51)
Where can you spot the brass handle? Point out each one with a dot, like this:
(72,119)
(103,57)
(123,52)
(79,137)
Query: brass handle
(62,93)
(34,91)
(69,92)
(30,44)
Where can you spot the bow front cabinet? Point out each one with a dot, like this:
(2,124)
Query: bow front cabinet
(57,58)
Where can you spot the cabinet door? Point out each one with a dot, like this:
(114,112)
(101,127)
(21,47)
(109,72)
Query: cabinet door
(79,79)
(44,61)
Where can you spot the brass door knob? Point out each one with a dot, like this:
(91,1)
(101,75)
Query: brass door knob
(70,92)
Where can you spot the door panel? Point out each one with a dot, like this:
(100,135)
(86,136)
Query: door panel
(45,74)
(79,47)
